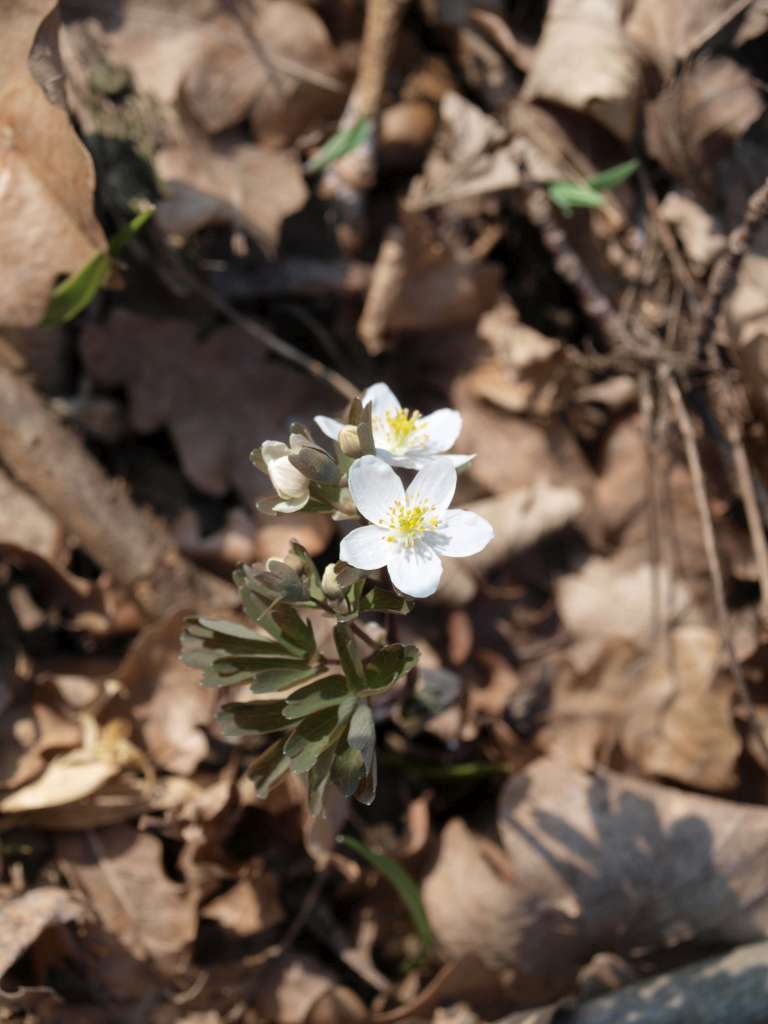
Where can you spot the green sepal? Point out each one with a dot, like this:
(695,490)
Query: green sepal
(379,600)
(315,464)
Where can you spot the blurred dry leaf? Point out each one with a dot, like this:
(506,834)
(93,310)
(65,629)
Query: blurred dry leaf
(120,872)
(697,117)
(668,711)
(47,180)
(250,906)
(513,451)
(24,918)
(167,702)
(595,863)
(609,600)
(701,237)
(585,61)
(25,523)
(203,392)
(246,186)
(77,774)
(299,85)
(667,33)
(296,989)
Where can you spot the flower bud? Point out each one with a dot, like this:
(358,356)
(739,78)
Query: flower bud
(349,442)
(337,578)
(288,481)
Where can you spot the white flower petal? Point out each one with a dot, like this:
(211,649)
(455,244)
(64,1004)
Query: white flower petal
(464,533)
(442,429)
(435,482)
(375,487)
(366,548)
(271,450)
(331,428)
(382,398)
(288,481)
(415,571)
(460,460)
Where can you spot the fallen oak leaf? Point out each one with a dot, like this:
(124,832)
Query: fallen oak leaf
(24,918)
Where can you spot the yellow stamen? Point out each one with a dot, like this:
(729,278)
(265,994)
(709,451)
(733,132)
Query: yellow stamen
(407,521)
(404,429)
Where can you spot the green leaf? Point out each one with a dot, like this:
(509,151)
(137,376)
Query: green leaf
(312,736)
(349,656)
(316,465)
(311,573)
(401,881)
(318,778)
(366,791)
(259,716)
(278,678)
(340,143)
(77,291)
(362,733)
(324,693)
(614,176)
(244,670)
(379,600)
(388,664)
(348,770)
(268,768)
(223,627)
(284,624)
(128,232)
(568,195)
(74,293)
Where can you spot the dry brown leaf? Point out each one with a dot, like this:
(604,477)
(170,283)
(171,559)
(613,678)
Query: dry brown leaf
(25,523)
(698,116)
(668,711)
(250,906)
(246,186)
(612,599)
(669,32)
(24,918)
(168,704)
(47,180)
(585,61)
(75,775)
(593,864)
(700,235)
(300,85)
(120,873)
(293,989)
(220,397)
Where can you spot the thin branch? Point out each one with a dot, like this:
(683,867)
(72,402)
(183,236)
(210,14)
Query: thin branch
(713,559)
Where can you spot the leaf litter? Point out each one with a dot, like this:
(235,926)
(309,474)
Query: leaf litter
(571,815)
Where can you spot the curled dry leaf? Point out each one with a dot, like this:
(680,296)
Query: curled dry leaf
(597,863)
(250,906)
(297,989)
(697,117)
(701,237)
(120,872)
(24,918)
(243,185)
(47,223)
(202,391)
(585,61)
(26,524)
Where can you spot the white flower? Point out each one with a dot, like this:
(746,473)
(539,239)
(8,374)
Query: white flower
(411,530)
(402,437)
(291,485)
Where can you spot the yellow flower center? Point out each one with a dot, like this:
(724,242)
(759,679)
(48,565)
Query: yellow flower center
(403,428)
(407,522)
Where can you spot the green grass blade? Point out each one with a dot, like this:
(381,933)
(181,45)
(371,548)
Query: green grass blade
(401,881)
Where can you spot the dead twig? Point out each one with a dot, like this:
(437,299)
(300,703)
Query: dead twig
(696,470)
(725,271)
(131,543)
